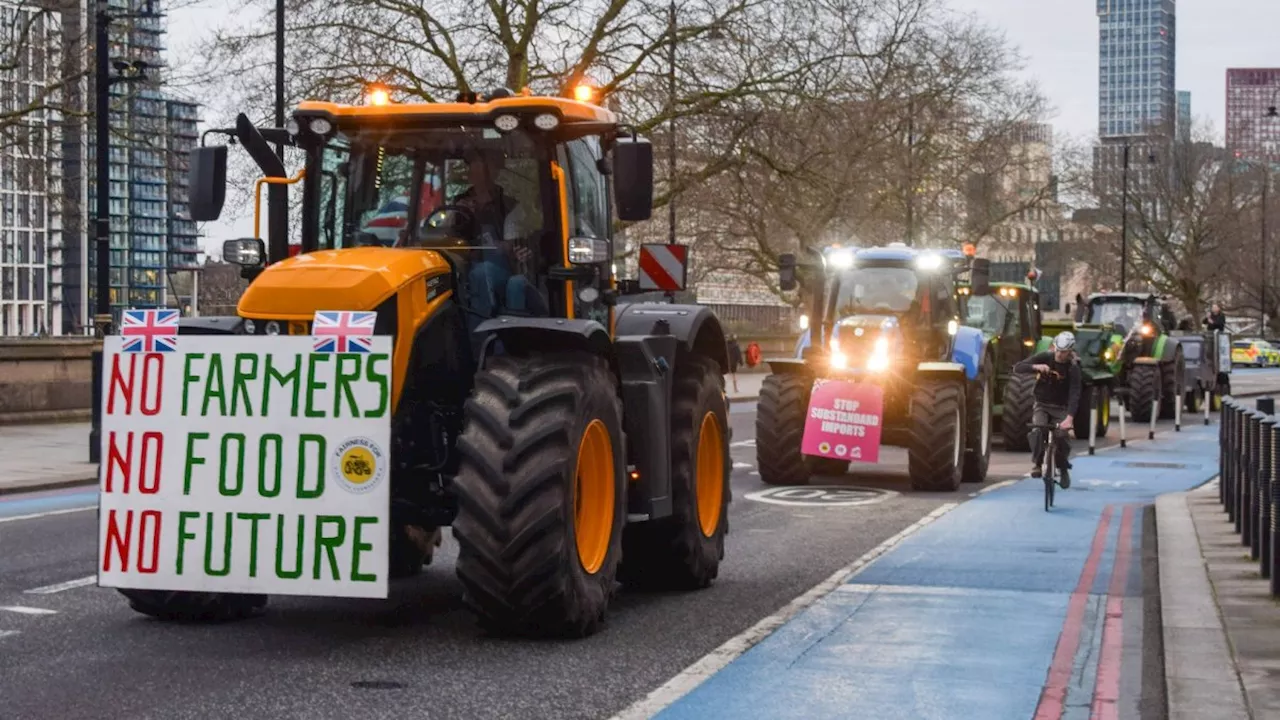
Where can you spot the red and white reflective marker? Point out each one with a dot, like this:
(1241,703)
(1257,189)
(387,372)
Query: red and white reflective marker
(662,267)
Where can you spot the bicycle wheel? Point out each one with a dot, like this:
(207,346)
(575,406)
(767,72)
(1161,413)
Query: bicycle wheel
(1048,473)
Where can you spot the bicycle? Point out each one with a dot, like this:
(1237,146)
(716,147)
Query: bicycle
(1050,461)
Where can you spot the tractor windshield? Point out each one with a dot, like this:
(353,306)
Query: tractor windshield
(1126,313)
(988,313)
(876,291)
(453,187)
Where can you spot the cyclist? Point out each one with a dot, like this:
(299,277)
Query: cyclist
(1057,394)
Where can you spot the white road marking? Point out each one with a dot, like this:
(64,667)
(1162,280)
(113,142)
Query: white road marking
(711,663)
(24,610)
(7,633)
(743,443)
(33,516)
(60,587)
(742,465)
(989,488)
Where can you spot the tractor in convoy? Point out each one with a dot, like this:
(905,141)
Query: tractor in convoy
(885,360)
(1132,330)
(571,440)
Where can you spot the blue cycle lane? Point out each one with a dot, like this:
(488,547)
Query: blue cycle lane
(996,610)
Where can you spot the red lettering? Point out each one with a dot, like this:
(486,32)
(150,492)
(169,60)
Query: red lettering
(118,381)
(153,440)
(114,540)
(151,531)
(116,460)
(157,360)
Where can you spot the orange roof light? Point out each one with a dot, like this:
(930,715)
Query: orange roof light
(378,95)
(584,92)
(970,250)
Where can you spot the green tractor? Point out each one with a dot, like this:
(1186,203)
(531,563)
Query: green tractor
(1009,317)
(1133,335)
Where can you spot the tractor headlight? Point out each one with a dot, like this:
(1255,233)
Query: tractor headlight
(250,328)
(273,327)
(320,126)
(1147,330)
(506,123)
(841,259)
(878,361)
(929,261)
(838,360)
(804,322)
(546,121)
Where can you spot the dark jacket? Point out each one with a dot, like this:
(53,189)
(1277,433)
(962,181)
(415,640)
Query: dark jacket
(1216,321)
(735,356)
(1063,389)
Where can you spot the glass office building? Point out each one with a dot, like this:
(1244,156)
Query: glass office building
(1184,116)
(1136,93)
(1253,131)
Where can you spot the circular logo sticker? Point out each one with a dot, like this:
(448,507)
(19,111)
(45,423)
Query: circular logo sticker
(359,464)
(824,447)
(821,495)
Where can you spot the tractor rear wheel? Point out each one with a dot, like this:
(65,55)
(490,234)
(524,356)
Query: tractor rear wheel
(977,454)
(780,416)
(541,494)
(1019,403)
(935,449)
(1171,380)
(683,551)
(1091,396)
(184,606)
(1144,388)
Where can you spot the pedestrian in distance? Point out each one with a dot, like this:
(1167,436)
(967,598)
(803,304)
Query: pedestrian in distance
(735,360)
(1057,394)
(1215,320)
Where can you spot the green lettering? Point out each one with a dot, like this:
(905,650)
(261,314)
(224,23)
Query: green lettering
(286,381)
(254,519)
(384,390)
(240,382)
(297,564)
(192,460)
(263,490)
(313,383)
(208,546)
(358,546)
(210,392)
(188,378)
(303,441)
(184,536)
(222,471)
(342,385)
(330,544)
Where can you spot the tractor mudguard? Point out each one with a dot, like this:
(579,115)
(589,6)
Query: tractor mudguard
(944,369)
(1166,348)
(211,325)
(696,327)
(519,333)
(969,350)
(788,366)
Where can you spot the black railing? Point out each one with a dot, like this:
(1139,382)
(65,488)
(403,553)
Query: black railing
(1249,490)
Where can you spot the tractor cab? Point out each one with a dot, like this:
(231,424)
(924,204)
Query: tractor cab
(1009,314)
(1146,313)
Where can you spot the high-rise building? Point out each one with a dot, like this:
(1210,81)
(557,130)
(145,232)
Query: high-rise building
(1135,67)
(1253,113)
(30,171)
(152,136)
(1184,116)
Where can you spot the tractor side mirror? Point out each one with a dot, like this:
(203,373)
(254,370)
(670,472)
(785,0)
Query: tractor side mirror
(208,182)
(787,271)
(1066,309)
(980,276)
(633,178)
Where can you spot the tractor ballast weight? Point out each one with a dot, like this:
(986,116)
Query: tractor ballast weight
(936,377)
(571,440)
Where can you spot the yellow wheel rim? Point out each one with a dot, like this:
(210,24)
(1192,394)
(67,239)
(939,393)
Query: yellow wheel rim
(593,496)
(710,482)
(1105,412)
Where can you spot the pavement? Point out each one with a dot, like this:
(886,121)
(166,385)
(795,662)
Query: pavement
(853,597)
(45,456)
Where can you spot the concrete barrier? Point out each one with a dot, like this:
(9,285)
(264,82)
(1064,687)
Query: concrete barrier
(46,379)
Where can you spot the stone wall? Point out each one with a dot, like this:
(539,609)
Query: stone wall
(46,379)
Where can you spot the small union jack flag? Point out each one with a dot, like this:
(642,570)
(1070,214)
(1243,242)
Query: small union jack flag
(341,331)
(150,331)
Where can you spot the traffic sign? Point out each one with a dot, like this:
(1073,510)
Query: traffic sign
(663,267)
(821,495)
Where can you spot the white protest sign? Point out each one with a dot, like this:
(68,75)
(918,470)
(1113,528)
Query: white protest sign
(246,464)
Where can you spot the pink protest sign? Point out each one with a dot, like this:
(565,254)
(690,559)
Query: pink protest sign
(844,421)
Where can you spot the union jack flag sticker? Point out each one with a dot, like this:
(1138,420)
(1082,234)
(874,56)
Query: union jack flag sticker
(149,331)
(343,331)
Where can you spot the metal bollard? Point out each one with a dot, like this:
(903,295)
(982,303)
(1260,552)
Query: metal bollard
(1237,462)
(1273,482)
(1208,401)
(1177,413)
(1265,408)
(1242,480)
(1155,413)
(1249,497)
(1124,408)
(1224,451)
(1267,471)
(1093,419)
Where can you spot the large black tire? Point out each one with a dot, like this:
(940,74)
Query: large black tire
(1171,384)
(1087,398)
(518,490)
(678,552)
(978,424)
(186,606)
(935,449)
(780,416)
(1144,388)
(1015,419)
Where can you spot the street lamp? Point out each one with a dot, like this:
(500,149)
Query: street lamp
(713,33)
(125,71)
(1124,214)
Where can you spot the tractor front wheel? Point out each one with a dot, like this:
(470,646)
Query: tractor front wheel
(683,551)
(1019,403)
(187,606)
(935,449)
(780,416)
(1091,397)
(541,494)
(1144,389)
(1171,384)
(977,454)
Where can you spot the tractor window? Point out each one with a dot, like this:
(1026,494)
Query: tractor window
(1128,314)
(876,291)
(989,313)
(590,210)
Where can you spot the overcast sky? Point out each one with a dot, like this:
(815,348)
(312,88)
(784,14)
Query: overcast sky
(1058,38)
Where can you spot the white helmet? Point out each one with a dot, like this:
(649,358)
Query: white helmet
(1064,341)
